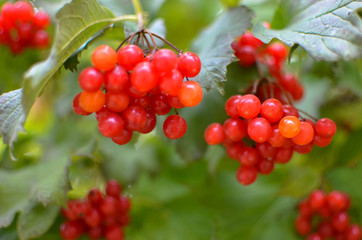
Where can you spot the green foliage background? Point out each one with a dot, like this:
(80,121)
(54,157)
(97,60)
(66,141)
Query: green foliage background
(180,189)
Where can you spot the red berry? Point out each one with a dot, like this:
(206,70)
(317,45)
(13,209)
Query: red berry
(171,82)
(276,139)
(265,149)
(77,108)
(214,134)
(277,50)
(259,129)
(92,101)
(283,155)
(248,156)
(117,102)
(231,106)
(336,201)
(90,79)
(108,206)
(249,106)
(189,64)
(272,110)
(159,104)
(95,197)
(303,225)
(234,150)
(129,56)
(71,230)
(235,129)
(317,199)
(325,230)
(174,127)
(144,101)
(190,94)
(305,135)
(124,204)
(174,102)
(246,175)
(41,39)
(113,188)
(134,118)
(93,217)
(353,232)
(104,58)
(116,80)
(41,20)
(23,11)
(143,77)
(303,149)
(325,127)
(340,221)
(288,81)
(123,137)
(304,209)
(110,125)
(151,121)
(321,141)
(114,233)
(290,111)
(246,55)
(265,166)
(164,61)
(314,236)
(248,39)
(95,233)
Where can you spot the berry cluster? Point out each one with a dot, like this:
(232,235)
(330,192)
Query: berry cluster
(97,215)
(259,135)
(137,88)
(330,212)
(22,27)
(250,51)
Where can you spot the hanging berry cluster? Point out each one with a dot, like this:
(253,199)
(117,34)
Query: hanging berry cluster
(325,216)
(97,215)
(139,83)
(23,27)
(262,131)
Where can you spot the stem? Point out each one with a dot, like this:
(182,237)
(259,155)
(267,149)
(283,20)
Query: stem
(256,84)
(307,114)
(152,39)
(138,9)
(167,42)
(148,42)
(125,40)
(271,88)
(290,102)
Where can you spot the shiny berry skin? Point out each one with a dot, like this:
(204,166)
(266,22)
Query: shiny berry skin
(143,77)
(190,94)
(171,82)
(174,102)
(246,55)
(23,11)
(133,92)
(353,232)
(95,233)
(277,50)
(113,188)
(290,111)
(41,20)
(124,204)
(325,229)
(265,166)
(336,201)
(104,58)
(305,209)
(249,106)
(259,129)
(189,64)
(306,134)
(317,199)
(93,218)
(214,134)
(117,102)
(235,129)
(325,127)
(129,56)
(108,206)
(298,92)
(41,39)
(234,149)
(289,126)
(116,80)
(92,101)
(123,137)
(231,106)
(90,79)
(71,230)
(321,141)
(114,233)
(159,104)
(272,110)
(77,108)
(314,236)
(110,125)
(95,197)
(134,118)
(249,156)
(174,127)
(144,101)
(303,225)
(276,139)
(265,149)
(164,60)
(151,121)
(246,175)
(283,155)
(248,39)
(303,149)
(340,221)
(288,81)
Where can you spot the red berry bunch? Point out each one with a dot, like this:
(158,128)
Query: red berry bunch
(97,215)
(127,90)
(325,216)
(258,135)
(250,51)
(23,27)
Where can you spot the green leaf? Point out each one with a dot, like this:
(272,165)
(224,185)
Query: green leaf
(213,46)
(46,183)
(328,30)
(77,22)
(12,116)
(36,220)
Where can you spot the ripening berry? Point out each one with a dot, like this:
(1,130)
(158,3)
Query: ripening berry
(249,156)
(129,56)
(117,102)
(249,106)
(353,232)
(272,110)
(189,64)
(265,166)
(92,101)
(164,60)
(246,55)
(190,94)
(314,236)
(113,188)
(235,129)
(283,155)
(214,134)
(290,111)
(306,134)
(104,58)
(123,137)
(77,108)
(110,125)
(278,51)
(174,127)
(259,129)
(248,39)
(336,201)
(171,82)
(143,77)
(231,106)
(317,199)
(41,20)
(114,233)
(116,80)
(159,104)
(246,175)
(276,139)
(265,149)
(151,121)
(134,118)
(340,221)
(71,230)
(289,126)
(303,225)
(325,229)
(174,102)
(321,141)
(325,127)
(90,79)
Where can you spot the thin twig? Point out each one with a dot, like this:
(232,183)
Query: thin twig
(307,114)
(167,42)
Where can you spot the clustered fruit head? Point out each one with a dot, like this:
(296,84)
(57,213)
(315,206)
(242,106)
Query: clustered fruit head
(260,135)
(250,51)
(98,215)
(23,27)
(325,216)
(126,90)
